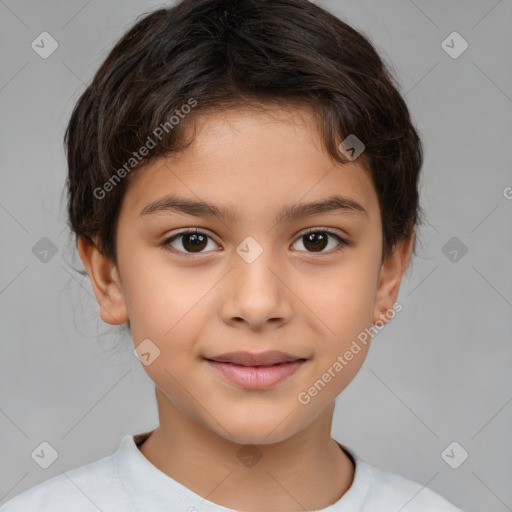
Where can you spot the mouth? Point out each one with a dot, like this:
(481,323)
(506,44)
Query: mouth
(256,371)
(245,358)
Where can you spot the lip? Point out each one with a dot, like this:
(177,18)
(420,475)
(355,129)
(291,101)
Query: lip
(256,377)
(245,358)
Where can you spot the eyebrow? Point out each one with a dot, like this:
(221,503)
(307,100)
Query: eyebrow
(333,204)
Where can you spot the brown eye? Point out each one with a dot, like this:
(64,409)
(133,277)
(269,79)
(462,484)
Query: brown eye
(195,242)
(317,240)
(189,242)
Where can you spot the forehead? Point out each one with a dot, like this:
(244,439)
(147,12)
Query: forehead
(251,161)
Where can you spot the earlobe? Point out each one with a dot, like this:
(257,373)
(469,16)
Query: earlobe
(391,273)
(105,281)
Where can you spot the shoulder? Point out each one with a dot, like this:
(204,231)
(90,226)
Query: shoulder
(91,487)
(398,493)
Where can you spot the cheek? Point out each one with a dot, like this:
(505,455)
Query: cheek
(352,304)
(161,298)
(345,307)
(341,298)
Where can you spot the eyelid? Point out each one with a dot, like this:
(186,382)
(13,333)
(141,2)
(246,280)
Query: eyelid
(187,231)
(323,229)
(342,239)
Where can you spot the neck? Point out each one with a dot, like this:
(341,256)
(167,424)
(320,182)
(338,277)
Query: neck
(307,471)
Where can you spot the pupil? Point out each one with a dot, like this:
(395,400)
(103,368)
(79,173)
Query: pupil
(195,240)
(318,241)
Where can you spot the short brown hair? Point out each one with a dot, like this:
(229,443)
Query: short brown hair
(227,54)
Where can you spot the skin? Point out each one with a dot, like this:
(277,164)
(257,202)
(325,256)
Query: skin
(291,298)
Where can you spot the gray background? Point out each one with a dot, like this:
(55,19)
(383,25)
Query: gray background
(440,372)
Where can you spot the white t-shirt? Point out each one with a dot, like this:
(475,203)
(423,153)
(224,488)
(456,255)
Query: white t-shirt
(127,482)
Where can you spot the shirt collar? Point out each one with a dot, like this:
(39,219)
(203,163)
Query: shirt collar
(152,489)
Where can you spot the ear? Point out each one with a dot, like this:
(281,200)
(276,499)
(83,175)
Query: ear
(390,277)
(105,282)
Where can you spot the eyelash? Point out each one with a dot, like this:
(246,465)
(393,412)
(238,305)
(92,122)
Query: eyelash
(342,242)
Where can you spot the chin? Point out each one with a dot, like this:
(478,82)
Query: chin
(256,438)
(258,431)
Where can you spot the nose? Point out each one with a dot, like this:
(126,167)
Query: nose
(255,293)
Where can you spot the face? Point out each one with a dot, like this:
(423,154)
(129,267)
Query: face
(261,272)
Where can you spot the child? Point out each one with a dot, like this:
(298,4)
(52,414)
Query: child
(243,186)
